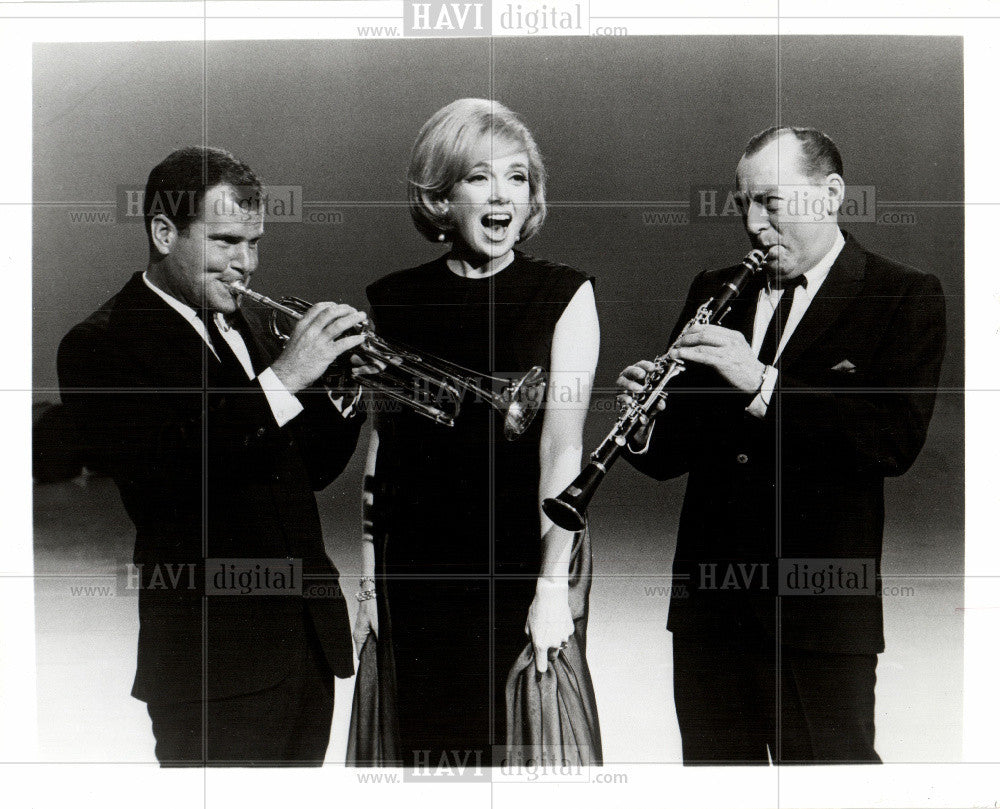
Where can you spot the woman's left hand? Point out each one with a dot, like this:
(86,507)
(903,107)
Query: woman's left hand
(550,622)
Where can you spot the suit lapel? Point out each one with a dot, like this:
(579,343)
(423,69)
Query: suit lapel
(166,339)
(842,285)
(163,338)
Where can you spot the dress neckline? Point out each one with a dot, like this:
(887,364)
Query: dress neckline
(443,260)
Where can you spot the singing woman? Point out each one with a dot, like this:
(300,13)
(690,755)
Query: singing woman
(465,562)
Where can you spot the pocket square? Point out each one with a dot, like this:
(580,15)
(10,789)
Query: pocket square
(845,366)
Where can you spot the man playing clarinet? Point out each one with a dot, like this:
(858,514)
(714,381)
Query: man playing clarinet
(818,385)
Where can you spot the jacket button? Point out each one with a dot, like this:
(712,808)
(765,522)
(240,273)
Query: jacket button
(741,458)
(260,432)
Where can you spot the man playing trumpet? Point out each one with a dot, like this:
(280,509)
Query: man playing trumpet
(820,384)
(216,444)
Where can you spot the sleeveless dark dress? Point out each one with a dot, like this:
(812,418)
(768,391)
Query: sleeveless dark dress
(456,515)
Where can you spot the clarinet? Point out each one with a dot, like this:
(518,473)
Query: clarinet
(568,510)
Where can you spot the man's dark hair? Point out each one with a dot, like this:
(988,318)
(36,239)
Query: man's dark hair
(820,155)
(176,187)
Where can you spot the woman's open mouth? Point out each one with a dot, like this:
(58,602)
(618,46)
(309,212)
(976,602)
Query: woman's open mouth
(496,224)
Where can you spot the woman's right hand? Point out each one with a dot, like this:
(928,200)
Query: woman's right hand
(367,621)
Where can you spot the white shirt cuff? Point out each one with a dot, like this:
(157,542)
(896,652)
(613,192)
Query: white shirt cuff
(645,447)
(758,407)
(284,405)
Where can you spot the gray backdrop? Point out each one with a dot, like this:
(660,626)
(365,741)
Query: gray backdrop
(622,122)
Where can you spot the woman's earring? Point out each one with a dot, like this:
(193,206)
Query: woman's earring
(443,214)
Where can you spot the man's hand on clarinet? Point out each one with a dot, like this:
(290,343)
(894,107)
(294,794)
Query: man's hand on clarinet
(725,350)
(632,381)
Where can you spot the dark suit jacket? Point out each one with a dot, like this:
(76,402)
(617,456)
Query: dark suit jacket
(806,481)
(206,474)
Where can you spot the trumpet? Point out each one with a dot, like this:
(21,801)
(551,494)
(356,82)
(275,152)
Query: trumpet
(430,386)
(568,510)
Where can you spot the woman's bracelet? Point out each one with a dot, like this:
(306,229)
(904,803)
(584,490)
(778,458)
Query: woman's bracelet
(367,585)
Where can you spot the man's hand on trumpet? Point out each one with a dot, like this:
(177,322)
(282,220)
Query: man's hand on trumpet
(368,365)
(316,342)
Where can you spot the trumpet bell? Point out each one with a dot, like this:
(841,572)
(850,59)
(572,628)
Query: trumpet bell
(521,401)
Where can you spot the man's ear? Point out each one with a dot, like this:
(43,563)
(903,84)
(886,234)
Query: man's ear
(836,190)
(163,233)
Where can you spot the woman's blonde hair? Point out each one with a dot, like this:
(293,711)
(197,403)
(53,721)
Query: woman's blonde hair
(444,153)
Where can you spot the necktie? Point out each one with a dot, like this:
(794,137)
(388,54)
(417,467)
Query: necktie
(779,320)
(231,366)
